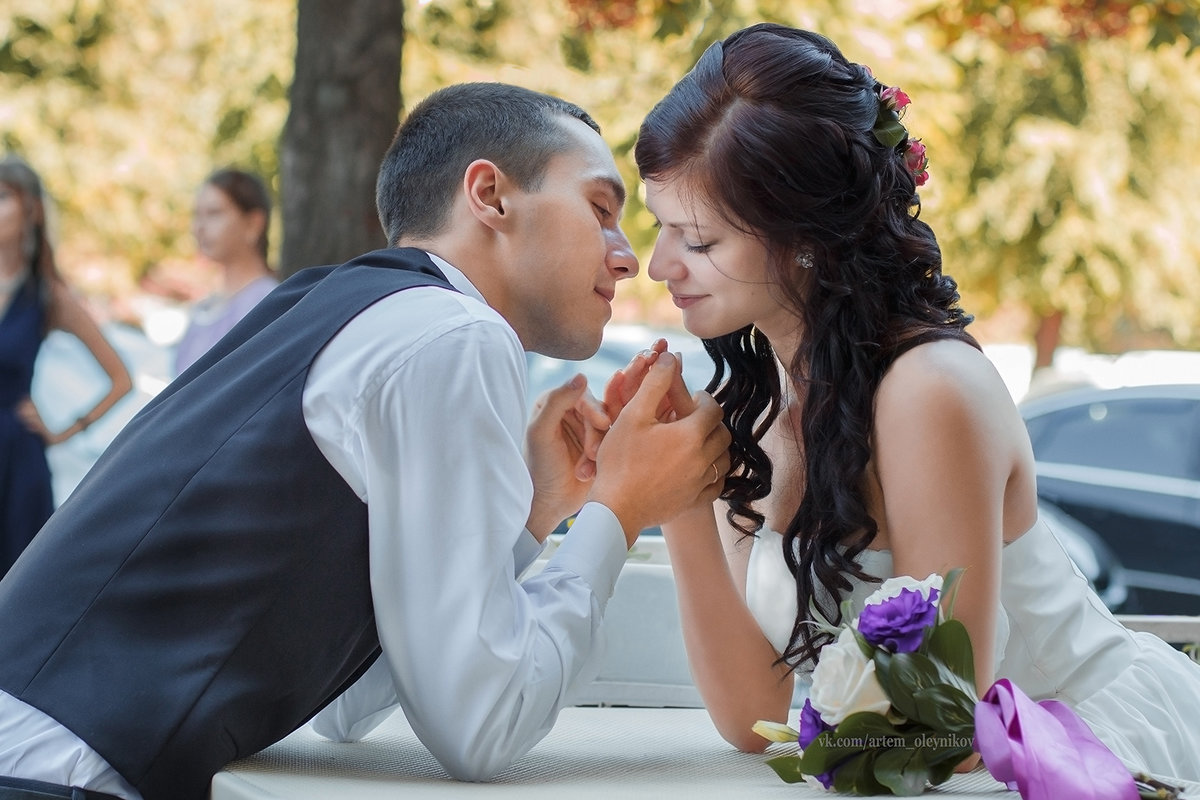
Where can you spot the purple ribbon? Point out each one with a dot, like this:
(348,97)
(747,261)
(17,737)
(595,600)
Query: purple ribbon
(1044,751)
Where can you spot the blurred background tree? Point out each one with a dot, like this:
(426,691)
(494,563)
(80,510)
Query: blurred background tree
(345,100)
(124,106)
(1061,134)
(1072,193)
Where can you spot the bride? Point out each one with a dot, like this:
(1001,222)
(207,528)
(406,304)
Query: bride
(871,436)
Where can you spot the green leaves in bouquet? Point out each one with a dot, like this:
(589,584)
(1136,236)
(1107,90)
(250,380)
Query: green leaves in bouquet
(871,755)
(787,768)
(926,691)
(950,643)
(929,730)
(852,750)
(905,771)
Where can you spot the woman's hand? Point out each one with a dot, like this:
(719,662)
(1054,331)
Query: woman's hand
(28,414)
(653,465)
(598,417)
(33,420)
(969,763)
(623,385)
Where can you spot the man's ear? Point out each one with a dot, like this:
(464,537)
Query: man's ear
(487,190)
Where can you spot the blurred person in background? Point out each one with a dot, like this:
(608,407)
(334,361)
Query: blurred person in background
(34,299)
(233,212)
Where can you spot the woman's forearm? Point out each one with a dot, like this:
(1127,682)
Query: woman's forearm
(731,660)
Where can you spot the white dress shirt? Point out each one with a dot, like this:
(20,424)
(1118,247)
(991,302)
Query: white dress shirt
(419,403)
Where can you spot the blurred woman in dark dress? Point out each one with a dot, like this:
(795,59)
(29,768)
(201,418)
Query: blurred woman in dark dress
(34,300)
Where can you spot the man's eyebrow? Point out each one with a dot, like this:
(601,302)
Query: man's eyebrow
(616,187)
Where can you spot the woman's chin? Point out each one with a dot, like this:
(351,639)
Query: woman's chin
(703,329)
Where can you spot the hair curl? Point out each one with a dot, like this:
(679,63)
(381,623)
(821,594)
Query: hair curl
(773,128)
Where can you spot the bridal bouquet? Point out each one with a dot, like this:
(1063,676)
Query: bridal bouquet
(893,709)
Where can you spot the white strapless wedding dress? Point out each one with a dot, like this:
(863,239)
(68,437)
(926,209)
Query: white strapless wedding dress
(1055,639)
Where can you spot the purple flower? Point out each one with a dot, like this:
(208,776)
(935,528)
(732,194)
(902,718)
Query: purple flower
(812,726)
(898,623)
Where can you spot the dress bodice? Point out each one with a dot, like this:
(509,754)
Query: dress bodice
(26,494)
(1054,637)
(21,331)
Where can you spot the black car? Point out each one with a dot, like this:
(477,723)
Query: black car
(1126,464)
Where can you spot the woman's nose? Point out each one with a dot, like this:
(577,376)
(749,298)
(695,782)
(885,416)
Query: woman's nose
(663,266)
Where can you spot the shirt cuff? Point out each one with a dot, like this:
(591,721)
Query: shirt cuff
(526,551)
(594,549)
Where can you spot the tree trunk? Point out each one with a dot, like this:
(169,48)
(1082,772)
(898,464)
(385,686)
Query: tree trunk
(345,104)
(1046,339)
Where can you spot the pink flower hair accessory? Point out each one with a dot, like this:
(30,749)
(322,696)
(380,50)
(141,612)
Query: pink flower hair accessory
(890,131)
(916,161)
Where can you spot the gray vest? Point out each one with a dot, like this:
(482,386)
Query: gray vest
(205,590)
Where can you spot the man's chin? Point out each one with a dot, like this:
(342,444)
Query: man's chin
(572,349)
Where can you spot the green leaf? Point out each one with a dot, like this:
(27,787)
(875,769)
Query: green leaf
(857,775)
(865,724)
(949,593)
(787,768)
(827,751)
(950,643)
(901,675)
(945,708)
(818,621)
(889,130)
(902,770)
(868,649)
(926,691)
(943,760)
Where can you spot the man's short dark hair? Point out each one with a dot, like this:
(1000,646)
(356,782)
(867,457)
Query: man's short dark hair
(515,128)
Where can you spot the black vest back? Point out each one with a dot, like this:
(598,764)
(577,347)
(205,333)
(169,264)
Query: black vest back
(205,589)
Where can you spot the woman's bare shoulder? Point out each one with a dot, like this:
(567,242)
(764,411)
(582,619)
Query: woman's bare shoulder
(944,382)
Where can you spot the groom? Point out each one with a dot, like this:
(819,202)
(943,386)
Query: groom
(346,480)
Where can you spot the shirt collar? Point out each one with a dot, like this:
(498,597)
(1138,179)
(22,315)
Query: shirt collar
(457,279)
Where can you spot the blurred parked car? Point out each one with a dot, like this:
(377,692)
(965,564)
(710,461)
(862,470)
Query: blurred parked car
(621,342)
(1125,463)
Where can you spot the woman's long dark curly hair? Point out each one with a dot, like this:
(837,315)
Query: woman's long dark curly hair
(773,130)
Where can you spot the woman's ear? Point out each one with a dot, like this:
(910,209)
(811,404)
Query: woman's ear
(257,220)
(487,188)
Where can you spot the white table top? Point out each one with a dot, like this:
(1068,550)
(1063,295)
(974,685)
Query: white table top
(591,753)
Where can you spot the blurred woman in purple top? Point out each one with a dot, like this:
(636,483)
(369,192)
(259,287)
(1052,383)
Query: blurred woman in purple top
(233,212)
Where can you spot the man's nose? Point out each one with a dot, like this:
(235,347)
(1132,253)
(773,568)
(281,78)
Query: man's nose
(620,258)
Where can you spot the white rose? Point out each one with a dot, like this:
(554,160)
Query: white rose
(893,586)
(844,682)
